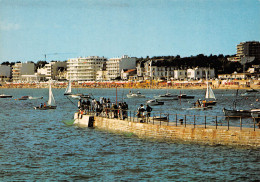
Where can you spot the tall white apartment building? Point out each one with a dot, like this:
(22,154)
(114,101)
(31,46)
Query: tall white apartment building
(84,69)
(114,66)
(20,69)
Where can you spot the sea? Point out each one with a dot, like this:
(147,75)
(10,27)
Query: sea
(36,145)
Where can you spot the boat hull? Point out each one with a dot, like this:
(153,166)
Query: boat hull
(45,108)
(237,113)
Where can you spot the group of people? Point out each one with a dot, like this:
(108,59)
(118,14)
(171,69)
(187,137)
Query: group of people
(43,105)
(103,107)
(141,112)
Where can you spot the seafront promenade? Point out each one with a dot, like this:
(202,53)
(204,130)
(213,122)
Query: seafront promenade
(220,84)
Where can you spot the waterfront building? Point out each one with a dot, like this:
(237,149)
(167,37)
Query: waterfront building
(84,69)
(20,69)
(180,74)
(200,73)
(114,66)
(102,75)
(157,70)
(32,78)
(126,74)
(54,68)
(5,72)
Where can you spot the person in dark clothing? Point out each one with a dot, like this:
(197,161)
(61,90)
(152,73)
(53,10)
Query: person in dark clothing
(149,110)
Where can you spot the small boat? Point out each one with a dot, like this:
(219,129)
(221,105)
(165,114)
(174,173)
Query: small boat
(165,97)
(237,113)
(251,90)
(34,98)
(76,96)
(154,102)
(5,96)
(248,94)
(184,96)
(85,97)
(255,113)
(24,98)
(51,102)
(135,95)
(68,89)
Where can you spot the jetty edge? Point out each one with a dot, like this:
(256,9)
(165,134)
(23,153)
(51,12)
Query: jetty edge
(246,137)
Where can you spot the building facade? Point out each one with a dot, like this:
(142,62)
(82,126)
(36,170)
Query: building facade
(54,68)
(157,70)
(200,73)
(84,69)
(20,69)
(5,72)
(114,66)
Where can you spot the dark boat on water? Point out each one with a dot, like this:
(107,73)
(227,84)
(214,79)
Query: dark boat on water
(5,96)
(184,96)
(251,90)
(237,113)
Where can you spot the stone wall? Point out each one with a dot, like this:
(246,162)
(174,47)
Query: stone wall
(211,136)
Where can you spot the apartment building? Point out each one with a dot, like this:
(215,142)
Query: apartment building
(249,49)
(5,71)
(84,69)
(114,66)
(20,69)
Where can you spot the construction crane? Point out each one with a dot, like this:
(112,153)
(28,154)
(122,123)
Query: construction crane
(45,55)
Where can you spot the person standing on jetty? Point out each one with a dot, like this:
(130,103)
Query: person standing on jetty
(140,112)
(149,110)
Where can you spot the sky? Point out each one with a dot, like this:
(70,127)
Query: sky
(63,29)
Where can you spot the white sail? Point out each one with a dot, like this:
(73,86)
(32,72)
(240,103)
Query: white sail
(209,93)
(51,101)
(68,89)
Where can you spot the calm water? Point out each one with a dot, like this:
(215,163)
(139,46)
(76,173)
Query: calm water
(36,146)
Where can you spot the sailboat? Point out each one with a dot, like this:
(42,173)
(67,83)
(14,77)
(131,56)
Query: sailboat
(209,95)
(51,102)
(68,89)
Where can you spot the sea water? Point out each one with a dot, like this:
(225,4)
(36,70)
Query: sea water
(36,146)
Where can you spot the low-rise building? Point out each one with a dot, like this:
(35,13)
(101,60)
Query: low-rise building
(200,73)
(126,74)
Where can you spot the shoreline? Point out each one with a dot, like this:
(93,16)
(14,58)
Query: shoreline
(220,84)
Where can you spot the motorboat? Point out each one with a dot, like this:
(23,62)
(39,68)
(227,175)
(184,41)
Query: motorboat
(34,98)
(255,113)
(76,96)
(154,102)
(24,98)
(184,96)
(248,94)
(135,95)
(5,96)
(251,90)
(237,113)
(165,97)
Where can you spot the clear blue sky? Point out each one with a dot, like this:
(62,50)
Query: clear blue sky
(31,28)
